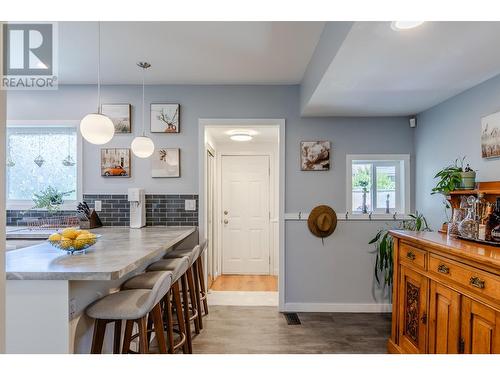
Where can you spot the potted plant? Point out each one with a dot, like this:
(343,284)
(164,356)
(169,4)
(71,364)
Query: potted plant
(451,178)
(50,199)
(383,241)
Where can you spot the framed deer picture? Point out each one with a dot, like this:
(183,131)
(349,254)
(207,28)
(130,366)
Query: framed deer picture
(165,118)
(165,162)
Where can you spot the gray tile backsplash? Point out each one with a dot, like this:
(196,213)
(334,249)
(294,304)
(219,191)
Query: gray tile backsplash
(161,209)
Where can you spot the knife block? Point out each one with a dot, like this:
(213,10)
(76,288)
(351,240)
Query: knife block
(93,222)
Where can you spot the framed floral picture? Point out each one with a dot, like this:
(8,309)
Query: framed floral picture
(315,156)
(165,118)
(120,115)
(165,162)
(115,162)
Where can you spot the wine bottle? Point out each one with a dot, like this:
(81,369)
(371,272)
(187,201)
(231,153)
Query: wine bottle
(494,223)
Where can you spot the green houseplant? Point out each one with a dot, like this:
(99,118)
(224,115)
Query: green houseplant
(50,199)
(384,246)
(453,177)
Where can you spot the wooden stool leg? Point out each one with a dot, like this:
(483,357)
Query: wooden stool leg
(150,327)
(143,335)
(170,323)
(193,300)
(185,301)
(117,337)
(197,293)
(129,326)
(98,338)
(201,276)
(179,311)
(158,327)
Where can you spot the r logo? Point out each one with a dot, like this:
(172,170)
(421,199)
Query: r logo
(28,49)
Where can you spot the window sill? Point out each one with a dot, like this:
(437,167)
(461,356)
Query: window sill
(28,206)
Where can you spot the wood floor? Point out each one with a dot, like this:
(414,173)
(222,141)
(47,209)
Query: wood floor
(241,330)
(246,283)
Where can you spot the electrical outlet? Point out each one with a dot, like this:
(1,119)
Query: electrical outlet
(98,206)
(190,205)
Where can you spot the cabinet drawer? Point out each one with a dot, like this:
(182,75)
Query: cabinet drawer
(473,279)
(411,255)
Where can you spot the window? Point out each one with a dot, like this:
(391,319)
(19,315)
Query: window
(55,149)
(378,184)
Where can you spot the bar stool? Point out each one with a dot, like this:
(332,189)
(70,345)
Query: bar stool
(179,267)
(146,281)
(193,284)
(134,307)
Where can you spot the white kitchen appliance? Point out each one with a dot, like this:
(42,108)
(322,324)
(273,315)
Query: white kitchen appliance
(137,199)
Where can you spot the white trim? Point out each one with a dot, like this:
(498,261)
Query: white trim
(202,123)
(406,191)
(68,205)
(339,307)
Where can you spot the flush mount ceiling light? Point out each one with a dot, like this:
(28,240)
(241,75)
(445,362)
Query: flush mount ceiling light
(405,25)
(95,127)
(142,146)
(241,137)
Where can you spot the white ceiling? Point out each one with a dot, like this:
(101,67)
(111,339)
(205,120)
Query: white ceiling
(260,134)
(379,72)
(188,52)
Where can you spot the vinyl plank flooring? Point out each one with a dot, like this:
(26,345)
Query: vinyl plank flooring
(249,329)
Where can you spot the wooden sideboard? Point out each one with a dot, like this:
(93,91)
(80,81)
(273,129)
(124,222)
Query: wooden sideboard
(446,295)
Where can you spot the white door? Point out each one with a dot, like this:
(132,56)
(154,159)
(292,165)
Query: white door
(245,215)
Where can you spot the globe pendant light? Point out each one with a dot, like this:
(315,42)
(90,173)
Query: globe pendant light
(142,146)
(95,127)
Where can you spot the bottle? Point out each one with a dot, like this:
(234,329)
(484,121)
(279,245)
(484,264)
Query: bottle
(493,225)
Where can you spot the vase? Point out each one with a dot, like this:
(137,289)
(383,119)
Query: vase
(468,180)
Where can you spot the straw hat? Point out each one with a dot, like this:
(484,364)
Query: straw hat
(322,221)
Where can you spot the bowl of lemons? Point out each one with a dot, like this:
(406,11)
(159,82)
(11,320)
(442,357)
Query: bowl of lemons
(72,240)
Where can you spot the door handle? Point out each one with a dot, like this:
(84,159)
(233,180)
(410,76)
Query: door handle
(226,221)
(225,212)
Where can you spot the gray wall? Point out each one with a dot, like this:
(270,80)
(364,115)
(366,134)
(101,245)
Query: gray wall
(3,109)
(315,273)
(448,131)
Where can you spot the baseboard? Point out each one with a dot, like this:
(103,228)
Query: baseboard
(338,307)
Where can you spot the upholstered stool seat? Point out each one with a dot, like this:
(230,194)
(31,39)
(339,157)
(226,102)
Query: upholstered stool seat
(192,254)
(145,280)
(178,266)
(124,305)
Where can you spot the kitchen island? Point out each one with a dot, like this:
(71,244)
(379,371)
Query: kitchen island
(48,290)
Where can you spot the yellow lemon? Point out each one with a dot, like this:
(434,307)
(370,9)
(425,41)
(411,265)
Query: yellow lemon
(70,233)
(83,231)
(66,243)
(55,237)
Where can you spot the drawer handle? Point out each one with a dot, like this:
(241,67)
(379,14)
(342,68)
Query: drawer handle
(443,268)
(410,255)
(477,282)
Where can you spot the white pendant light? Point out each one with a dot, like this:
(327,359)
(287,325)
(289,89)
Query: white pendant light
(142,146)
(95,127)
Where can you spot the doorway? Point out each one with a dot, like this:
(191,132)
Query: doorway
(243,213)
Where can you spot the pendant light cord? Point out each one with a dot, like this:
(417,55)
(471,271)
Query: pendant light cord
(143,73)
(99,67)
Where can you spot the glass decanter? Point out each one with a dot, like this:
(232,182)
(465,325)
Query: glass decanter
(468,226)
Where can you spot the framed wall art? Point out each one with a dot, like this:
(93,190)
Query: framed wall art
(120,115)
(165,118)
(115,162)
(490,136)
(315,155)
(165,162)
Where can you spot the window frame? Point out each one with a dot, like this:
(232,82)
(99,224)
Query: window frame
(70,205)
(403,187)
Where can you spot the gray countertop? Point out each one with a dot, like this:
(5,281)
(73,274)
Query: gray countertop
(118,252)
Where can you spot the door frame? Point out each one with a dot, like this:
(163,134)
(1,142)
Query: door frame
(280,124)
(220,207)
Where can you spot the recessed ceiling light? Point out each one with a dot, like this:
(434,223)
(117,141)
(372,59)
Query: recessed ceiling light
(241,137)
(405,25)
